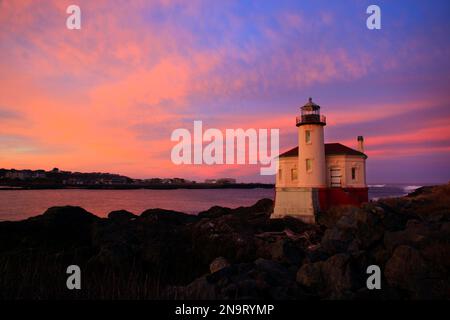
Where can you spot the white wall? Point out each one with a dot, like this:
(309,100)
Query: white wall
(314,151)
(285,165)
(346,163)
(300,203)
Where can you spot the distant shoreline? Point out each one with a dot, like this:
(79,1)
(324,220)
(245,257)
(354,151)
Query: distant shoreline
(135,187)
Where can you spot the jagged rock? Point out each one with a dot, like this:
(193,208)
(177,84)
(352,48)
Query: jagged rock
(336,240)
(421,274)
(263,206)
(392,218)
(279,248)
(445,229)
(337,275)
(310,275)
(218,264)
(414,234)
(406,270)
(214,212)
(358,228)
(58,228)
(121,215)
(263,279)
(167,216)
(65,214)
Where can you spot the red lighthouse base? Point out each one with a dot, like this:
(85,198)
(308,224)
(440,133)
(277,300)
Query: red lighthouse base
(305,203)
(332,197)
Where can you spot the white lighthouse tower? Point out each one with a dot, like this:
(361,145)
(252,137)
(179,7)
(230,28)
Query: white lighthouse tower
(316,176)
(311,161)
(303,173)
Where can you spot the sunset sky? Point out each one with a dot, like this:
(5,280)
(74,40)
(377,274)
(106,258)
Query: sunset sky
(107,97)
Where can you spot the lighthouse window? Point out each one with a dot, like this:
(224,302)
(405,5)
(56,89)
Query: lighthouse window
(353,173)
(308,165)
(294,174)
(280,174)
(308,136)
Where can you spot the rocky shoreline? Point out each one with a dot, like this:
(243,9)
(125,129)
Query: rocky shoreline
(238,253)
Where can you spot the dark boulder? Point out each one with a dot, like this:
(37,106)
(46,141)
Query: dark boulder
(278,247)
(121,215)
(310,276)
(214,212)
(58,228)
(406,270)
(356,229)
(338,277)
(167,217)
(218,264)
(415,234)
(262,279)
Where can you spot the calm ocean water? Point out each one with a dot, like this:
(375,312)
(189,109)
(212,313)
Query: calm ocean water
(21,204)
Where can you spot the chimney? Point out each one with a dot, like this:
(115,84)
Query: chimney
(361,144)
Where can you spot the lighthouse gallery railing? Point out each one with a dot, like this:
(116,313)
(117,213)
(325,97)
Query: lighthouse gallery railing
(311,118)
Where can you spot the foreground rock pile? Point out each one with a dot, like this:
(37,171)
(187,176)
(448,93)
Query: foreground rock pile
(233,253)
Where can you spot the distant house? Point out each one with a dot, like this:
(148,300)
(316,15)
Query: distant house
(19,174)
(226,181)
(39,174)
(221,181)
(315,175)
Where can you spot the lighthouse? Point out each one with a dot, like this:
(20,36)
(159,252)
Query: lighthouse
(316,176)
